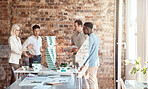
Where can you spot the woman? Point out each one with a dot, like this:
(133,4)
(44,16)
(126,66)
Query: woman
(16,49)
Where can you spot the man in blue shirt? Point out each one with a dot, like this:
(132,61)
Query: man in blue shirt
(93,58)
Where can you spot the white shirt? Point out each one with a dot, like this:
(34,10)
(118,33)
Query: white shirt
(37,44)
(16,49)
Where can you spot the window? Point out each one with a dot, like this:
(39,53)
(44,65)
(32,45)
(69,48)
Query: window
(131,30)
(137,30)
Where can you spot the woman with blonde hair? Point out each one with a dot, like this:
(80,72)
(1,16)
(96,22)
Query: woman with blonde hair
(16,49)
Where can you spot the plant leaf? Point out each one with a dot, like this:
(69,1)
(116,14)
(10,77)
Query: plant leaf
(134,70)
(126,62)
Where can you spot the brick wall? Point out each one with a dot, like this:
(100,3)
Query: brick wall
(4,67)
(5,21)
(56,17)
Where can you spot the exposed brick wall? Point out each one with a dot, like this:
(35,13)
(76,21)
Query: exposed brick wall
(5,21)
(5,15)
(4,73)
(56,17)
(4,67)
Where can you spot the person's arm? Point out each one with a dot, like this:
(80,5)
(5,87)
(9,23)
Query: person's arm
(91,43)
(69,49)
(13,47)
(30,46)
(98,43)
(26,46)
(41,47)
(72,43)
(27,55)
(74,49)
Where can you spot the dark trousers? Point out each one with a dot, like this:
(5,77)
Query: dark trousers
(35,59)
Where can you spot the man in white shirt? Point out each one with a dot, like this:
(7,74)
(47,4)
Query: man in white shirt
(34,53)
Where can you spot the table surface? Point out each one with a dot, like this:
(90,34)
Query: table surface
(68,79)
(45,70)
(39,82)
(133,84)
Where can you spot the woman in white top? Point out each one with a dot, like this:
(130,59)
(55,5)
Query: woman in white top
(16,49)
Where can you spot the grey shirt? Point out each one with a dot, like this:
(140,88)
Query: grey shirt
(78,38)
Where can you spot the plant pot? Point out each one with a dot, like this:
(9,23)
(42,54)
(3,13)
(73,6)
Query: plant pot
(140,77)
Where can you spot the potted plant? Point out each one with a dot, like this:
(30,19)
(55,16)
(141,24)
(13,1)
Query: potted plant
(63,67)
(140,73)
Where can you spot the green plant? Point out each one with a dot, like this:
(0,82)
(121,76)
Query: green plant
(137,66)
(63,65)
(144,70)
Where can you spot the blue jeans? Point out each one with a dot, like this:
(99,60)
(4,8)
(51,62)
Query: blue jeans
(36,59)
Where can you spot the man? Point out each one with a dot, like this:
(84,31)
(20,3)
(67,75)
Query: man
(92,59)
(77,38)
(34,53)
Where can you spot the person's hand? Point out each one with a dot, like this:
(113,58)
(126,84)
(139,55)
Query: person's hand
(75,50)
(69,50)
(46,45)
(81,68)
(30,46)
(29,55)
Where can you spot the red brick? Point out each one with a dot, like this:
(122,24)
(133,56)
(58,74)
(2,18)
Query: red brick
(65,25)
